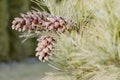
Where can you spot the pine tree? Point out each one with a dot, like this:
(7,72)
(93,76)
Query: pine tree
(92,52)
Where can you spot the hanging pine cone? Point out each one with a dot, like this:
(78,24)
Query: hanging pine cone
(36,20)
(45,46)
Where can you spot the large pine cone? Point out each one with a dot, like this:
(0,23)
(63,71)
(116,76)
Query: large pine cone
(36,20)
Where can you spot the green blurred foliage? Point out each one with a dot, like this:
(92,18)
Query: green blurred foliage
(11,46)
(4,40)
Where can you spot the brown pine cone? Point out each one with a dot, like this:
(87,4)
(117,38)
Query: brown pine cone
(45,46)
(36,20)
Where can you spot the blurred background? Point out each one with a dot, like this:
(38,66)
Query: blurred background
(11,46)
(17,60)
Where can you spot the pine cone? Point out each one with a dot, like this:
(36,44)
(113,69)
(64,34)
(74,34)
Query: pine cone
(30,21)
(36,20)
(45,46)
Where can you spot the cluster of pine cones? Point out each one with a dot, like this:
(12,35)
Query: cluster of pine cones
(38,21)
